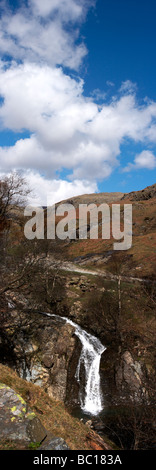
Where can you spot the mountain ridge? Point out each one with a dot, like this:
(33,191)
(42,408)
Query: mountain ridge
(110,197)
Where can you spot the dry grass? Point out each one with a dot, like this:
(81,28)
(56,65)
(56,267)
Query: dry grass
(143,248)
(52,413)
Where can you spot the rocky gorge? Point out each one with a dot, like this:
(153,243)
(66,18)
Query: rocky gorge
(55,297)
(45,351)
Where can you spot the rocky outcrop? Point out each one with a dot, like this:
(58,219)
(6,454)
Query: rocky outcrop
(44,350)
(17,421)
(54,443)
(143,195)
(20,425)
(40,348)
(129,377)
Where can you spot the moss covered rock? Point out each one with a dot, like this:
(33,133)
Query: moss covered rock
(17,421)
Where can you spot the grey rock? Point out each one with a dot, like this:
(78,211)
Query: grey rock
(54,443)
(129,376)
(43,355)
(17,421)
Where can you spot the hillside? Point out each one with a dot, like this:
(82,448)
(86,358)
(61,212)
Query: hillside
(95,198)
(109,294)
(144,194)
(140,259)
(51,413)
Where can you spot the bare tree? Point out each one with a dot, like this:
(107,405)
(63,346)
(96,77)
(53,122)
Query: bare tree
(13,193)
(135,428)
(20,259)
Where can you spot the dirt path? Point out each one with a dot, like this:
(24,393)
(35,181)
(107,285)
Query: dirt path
(71,267)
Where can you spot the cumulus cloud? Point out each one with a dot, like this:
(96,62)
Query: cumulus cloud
(37,32)
(146,159)
(67,132)
(67,10)
(50,191)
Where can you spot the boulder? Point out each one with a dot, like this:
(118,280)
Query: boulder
(17,421)
(40,350)
(129,376)
(54,443)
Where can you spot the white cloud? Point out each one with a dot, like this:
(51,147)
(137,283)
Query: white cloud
(38,33)
(50,191)
(67,130)
(128,87)
(34,94)
(121,119)
(146,159)
(68,10)
(98,95)
(69,133)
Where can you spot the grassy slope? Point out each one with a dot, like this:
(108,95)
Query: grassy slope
(138,316)
(52,413)
(142,261)
(143,250)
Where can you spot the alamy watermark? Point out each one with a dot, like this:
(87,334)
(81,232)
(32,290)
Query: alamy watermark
(62,221)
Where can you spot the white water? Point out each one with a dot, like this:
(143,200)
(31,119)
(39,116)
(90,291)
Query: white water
(89,361)
(89,365)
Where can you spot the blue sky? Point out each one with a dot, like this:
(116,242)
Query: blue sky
(78,95)
(121,38)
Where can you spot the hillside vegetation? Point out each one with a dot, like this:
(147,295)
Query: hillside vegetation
(111,294)
(52,414)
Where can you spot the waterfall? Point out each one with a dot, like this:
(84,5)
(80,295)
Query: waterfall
(89,366)
(89,361)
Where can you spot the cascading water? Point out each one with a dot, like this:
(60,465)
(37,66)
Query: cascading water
(89,361)
(89,365)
